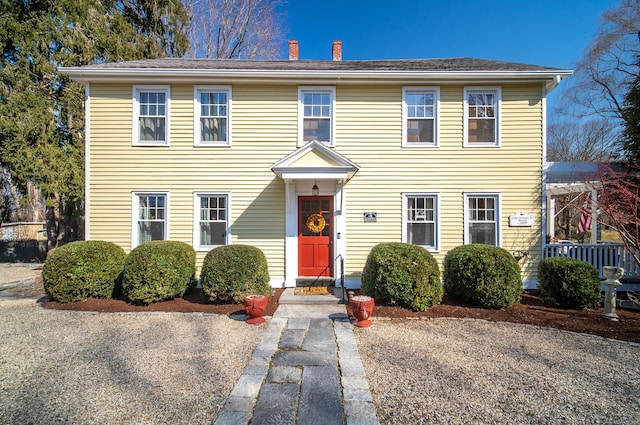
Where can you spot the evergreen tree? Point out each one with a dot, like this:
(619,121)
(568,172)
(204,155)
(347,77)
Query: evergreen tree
(631,115)
(41,111)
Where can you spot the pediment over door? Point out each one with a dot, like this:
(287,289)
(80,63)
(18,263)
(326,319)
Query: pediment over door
(315,161)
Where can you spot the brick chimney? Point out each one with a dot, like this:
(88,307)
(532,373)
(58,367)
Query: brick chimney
(336,50)
(293,50)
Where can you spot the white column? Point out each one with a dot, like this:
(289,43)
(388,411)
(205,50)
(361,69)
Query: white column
(594,216)
(291,235)
(551,216)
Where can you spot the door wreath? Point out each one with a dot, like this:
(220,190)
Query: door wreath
(316,223)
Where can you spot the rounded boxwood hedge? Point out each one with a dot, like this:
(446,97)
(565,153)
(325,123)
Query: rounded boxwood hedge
(158,270)
(569,283)
(83,269)
(402,274)
(231,272)
(482,275)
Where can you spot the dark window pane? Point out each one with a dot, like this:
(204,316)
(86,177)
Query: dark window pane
(482,130)
(484,233)
(420,131)
(421,234)
(152,129)
(213,129)
(317,129)
(213,233)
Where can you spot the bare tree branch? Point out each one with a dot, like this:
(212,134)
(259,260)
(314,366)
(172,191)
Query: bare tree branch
(235,29)
(593,140)
(607,67)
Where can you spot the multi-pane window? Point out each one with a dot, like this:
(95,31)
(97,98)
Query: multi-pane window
(482,116)
(482,219)
(420,112)
(422,220)
(316,108)
(151,116)
(151,217)
(211,226)
(212,115)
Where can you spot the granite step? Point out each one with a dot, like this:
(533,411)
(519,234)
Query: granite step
(289,297)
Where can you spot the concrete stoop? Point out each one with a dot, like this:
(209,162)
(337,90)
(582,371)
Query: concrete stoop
(289,297)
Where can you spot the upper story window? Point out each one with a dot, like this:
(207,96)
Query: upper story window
(316,114)
(211,220)
(420,111)
(421,220)
(212,116)
(482,214)
(150,217)
(151,115)
(482,116)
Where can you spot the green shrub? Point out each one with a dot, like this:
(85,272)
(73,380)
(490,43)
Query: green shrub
(483,275)
(158,270)
(402,274)
(570,283)
(231,272)
(83,269)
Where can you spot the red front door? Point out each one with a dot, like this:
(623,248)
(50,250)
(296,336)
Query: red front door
(315,230)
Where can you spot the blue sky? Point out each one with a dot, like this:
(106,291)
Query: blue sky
(541,32)
(551,33)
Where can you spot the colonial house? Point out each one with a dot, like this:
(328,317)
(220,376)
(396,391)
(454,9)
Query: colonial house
(314,161)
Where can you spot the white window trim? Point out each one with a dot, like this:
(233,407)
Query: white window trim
(196,218)
(498,195)
(325,89)
(136,113)
(135,205)
(436,116)
(498,92)
(405,218)
(196,115)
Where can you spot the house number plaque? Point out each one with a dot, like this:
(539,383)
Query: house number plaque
(370,217)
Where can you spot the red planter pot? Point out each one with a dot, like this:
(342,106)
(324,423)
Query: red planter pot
(255,306)
(362,307)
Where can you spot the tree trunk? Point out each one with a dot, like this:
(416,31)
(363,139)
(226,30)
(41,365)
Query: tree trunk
(57,222)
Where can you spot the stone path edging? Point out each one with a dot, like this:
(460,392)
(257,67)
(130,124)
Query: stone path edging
(295,374)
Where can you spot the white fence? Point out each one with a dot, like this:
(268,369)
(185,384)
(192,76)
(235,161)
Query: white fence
(599,255)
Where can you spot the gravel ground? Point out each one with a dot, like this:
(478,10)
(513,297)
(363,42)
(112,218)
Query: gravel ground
(10,272)
(95,368)
(92,368)
(465,371)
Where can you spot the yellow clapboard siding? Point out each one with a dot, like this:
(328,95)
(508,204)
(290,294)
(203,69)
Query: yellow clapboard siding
(368,131)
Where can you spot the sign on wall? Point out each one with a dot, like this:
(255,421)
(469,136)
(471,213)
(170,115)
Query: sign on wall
(521,219)
(370,217)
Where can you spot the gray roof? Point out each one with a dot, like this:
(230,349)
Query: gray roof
(421,65)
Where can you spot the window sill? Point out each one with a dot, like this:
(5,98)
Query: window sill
(420,145)
(156,144)
(303,143)
(206,248)
(481,145)
(212,145)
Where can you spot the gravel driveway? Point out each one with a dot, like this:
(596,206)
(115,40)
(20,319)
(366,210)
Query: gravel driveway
(465,371)
(92,368)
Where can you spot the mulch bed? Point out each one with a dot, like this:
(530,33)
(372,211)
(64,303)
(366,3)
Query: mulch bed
(530,311)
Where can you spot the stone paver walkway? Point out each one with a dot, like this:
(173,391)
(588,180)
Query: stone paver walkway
(306,369)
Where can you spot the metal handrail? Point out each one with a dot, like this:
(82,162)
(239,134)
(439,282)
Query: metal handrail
(344,294)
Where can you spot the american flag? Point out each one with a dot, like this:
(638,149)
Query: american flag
(585,223)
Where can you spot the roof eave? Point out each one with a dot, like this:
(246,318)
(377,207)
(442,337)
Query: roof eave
(84,75)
